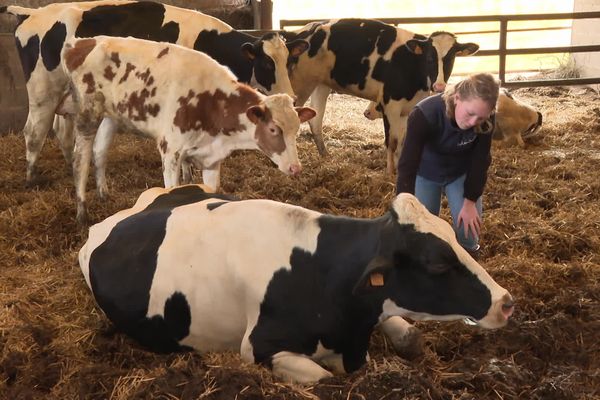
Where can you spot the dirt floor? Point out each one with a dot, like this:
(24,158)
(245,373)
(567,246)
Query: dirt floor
(541,241)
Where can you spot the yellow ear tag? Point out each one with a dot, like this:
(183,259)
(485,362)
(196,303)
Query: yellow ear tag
(376,279)
(418,50)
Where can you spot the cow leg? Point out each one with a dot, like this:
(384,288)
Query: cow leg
(39,123)
(520,140)
(405,338)
(396,143)
(186,173)
(212,177)
(318,100)
(297,368)
(104,137)
(63,128)
(171,166)
(81,169)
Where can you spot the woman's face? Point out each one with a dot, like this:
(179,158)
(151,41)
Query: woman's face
(470,112)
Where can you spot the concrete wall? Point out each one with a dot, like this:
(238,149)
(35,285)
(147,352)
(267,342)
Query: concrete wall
(586,32)
(13,95)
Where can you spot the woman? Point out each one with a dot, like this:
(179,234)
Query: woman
(447,149)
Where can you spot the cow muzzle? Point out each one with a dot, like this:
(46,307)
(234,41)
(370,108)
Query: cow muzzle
(499,313)
(439,87)
(295,169)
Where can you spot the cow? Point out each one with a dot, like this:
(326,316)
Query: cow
(514,119)
(41,34)
(289,288)
(193,107)
(374,61)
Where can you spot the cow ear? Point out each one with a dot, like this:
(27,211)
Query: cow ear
(248,51)
(305,113)
(297,47)
(256,113)
(466,49)
(415,46)
(374,276)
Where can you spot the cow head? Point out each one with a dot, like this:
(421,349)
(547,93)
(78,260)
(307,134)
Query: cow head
(277,122)
(439,51)
(269,55)
(423,273)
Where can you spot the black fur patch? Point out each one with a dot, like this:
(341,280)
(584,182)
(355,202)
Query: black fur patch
(52,44)
(143,20)
(29,55)
(226,49)
(122,269)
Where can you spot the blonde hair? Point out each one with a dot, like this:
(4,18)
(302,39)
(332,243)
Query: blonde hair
(481,86)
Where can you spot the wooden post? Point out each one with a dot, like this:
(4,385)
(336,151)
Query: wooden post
(266,14)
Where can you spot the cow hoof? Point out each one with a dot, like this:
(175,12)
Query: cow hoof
(410,345)
(103,193)
(82,216)
(36,181)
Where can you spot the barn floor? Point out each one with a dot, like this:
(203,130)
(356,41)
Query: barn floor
(541,241)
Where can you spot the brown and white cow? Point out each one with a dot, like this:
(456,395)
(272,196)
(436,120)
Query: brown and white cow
(514,119)
(191,105)
(42,32)
(374,61)
(287,287)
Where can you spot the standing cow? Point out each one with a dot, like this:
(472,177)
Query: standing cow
(374,61)
(193,107)
(42,32)
(287,287)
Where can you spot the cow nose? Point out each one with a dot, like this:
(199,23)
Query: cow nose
(508,306)
(295,169)
(439,87)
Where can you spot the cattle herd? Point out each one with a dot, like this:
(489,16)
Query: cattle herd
(302,291)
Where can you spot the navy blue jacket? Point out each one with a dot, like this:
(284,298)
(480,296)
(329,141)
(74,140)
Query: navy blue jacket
(438,150)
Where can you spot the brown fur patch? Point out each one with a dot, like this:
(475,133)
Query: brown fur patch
(214,113)
(128,68)
(163,52)
(145,77)
(109,74)
(76,55)
(88,79)
(136,108)
(114,57)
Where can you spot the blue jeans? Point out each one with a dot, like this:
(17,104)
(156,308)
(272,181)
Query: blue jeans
(430,194)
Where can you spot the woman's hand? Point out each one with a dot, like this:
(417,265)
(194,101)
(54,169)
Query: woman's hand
(470,219)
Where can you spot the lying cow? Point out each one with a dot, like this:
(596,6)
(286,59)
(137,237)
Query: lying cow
(42,32)
(192,106)
(374,61)
(515,119)
(287,287)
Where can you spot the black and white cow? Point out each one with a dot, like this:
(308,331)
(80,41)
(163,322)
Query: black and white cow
(287,287)
(42,32)
(375,61)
